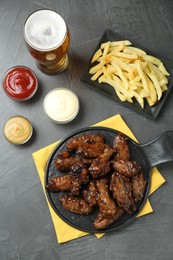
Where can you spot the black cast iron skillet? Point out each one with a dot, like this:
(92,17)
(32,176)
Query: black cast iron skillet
(157,151)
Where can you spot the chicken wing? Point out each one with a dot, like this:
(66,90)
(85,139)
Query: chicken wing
(90,193)
(121,147)
(82,170)
(126,168)
(92,150)
(122,192)
(64,162)
(69,182)
(75,204)
(78,180)
(138,186)
(107,206)
(101,165)
(102,221)
(76,142)
(60,183)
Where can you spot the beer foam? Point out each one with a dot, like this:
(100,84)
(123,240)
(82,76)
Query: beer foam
(45,30)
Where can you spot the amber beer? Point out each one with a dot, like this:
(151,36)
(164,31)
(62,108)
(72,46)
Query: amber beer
(47,39)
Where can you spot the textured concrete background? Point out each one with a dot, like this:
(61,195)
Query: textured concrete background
(26,229)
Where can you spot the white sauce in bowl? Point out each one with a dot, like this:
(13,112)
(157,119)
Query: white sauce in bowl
(61,105)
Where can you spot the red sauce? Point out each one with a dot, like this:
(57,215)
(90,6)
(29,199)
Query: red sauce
(20,83)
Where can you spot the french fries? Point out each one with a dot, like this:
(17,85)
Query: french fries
(130,71)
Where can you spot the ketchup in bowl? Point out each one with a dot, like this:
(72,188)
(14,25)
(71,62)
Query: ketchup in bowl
(20,83)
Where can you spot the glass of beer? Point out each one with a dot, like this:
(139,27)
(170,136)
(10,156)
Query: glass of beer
(47,39)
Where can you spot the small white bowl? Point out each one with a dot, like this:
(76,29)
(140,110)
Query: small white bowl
(61,105)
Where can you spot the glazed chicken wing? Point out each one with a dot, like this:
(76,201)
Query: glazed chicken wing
(90,193)
(81,178)
(64,162)
(75,204)
(101,165)
(121,147)
(102,221)
(82,170)
(60,183)
(126,168)
(138,186)
(122,192)
(107,206)
(76,142)
(92,150)
(76,185)
(69,182)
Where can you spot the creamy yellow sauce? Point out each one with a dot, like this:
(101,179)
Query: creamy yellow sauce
(17,130)
(61,105)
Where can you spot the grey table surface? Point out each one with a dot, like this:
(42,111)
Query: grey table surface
(26,228)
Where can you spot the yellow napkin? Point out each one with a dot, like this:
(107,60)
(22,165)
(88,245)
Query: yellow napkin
(64,232)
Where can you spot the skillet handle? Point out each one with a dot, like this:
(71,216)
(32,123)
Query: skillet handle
(159,150)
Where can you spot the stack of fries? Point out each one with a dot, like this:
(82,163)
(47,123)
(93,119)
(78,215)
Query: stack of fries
(130,71)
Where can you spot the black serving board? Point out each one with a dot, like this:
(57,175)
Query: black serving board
(151,112)
(85,222)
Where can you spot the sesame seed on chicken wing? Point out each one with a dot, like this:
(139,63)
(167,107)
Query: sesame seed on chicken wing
(126,168)
(138,186)
(107,206)
(64,161)
(69,182)
(75,142)
(90,193)
(60,183)
(92,150)
(121,147)
(87,146)
(122,192)
(100,166)
(75,204)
